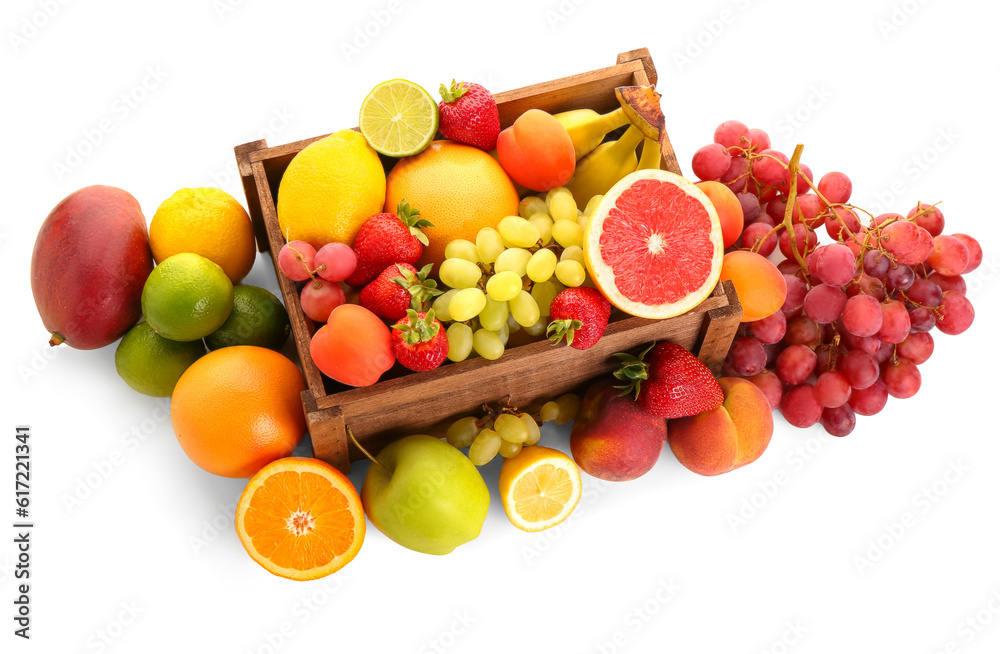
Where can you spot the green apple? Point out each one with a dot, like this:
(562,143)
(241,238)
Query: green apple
(426,495)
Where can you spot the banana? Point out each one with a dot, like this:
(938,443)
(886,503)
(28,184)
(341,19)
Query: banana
(601,169)
(650,157)
(587,128)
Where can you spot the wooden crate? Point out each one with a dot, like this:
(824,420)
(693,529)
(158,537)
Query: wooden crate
(403,402)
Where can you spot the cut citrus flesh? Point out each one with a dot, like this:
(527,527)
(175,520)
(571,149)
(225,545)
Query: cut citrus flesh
(301,519)
(398,118)
(539,488)
(654,245)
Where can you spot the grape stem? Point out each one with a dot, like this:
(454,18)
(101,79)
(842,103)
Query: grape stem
(793,187)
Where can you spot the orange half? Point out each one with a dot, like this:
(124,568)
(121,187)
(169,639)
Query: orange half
(300,518)
(654,245)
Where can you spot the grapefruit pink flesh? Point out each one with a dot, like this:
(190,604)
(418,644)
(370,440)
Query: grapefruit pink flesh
(654,246)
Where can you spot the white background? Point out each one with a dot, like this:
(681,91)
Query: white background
(652,565)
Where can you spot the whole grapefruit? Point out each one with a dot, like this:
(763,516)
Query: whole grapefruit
(458,188)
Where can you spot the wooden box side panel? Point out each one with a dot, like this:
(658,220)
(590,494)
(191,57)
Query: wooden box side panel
(425,402)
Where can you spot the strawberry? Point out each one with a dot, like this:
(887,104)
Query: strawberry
(468,114)
(385,239)
(398,288)
(580,315)
(673,383)
(419,341)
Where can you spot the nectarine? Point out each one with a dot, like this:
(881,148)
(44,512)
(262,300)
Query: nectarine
(612,438)
(727,437)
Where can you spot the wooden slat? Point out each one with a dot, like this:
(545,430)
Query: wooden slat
(302,326)
(720,328)
(584,91)
(642,55)
(527,373)
(328,433)
(243,153)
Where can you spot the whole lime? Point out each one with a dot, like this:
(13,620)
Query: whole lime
(152,364)
(187,297)
(258,318)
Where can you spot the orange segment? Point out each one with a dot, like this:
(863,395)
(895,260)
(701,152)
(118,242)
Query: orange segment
(300,518)
(539,488)
(654,245)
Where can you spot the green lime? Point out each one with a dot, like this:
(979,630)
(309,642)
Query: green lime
(258,318)
(399,118)
(187,297)
(152,364)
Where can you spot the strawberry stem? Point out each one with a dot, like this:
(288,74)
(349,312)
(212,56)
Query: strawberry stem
(560,329)
(454,92)
(411,218)
(633,371)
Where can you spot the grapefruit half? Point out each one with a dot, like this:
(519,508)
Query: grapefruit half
(654,245)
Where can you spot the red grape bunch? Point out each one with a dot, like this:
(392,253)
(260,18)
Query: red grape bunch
(858,312)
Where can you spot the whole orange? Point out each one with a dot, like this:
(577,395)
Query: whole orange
(458,188)
(237,409)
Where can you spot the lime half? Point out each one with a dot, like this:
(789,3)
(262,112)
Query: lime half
(399,118)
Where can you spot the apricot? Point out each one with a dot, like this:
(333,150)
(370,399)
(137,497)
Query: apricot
(354,347)
(760,286)
(727,437)
(536,151)
(728,206)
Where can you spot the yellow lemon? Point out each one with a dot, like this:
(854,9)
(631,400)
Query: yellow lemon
(330,189)
(205,221)
(539,488)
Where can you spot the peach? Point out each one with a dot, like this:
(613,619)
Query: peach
(536,151)
(760,286)
(729,209)
(727,437)
(612,438)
